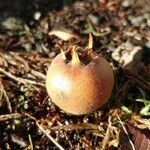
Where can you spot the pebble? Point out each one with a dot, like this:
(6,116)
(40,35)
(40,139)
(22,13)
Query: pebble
(52,54)
(147,17)
(94,19)
(12,23)
(136,21)
(27,46)
(37,15)
(139,20)
(127,3)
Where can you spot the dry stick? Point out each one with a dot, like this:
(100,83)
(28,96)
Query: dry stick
(132,145)
(44,131)
(3,60)
(139,80)
(26,66)
(3,92)
(38,74)
(50,137)
(20,80)
(107,135)
(17,115)
(17,57)
(9,116)
(7,100)
(82,126)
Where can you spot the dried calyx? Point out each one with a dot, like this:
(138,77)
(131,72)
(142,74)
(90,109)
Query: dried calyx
(77,55)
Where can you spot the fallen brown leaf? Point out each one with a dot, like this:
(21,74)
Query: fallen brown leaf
(64,35)
(139,137)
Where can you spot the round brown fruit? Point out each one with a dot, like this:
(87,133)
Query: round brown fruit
(81,83)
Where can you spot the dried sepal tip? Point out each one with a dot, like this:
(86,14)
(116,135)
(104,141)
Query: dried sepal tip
(90,44)
(61,50)
(63,54)
(75,58)
(90,47)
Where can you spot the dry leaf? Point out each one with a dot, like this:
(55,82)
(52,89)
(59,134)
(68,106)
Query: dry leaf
(139,137)
(64,35)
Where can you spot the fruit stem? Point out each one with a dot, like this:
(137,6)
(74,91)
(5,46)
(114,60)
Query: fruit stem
(75,58)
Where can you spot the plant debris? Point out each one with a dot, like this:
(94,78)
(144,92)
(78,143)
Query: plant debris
(29,41)
(140,138)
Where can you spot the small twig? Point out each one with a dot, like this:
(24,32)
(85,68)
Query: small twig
(3,60)
(45,133)
(30,141)
(144,84)
(20,80)
(18,140)
(4,94)
(1,91)
(107,135)
(82,126)
(17,115)
(10,116)
(91,29)
(126,132)
(38,74)
(50,137)
(22,60)
(26,66)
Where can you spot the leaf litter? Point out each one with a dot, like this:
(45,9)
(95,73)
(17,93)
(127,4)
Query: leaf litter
(28,118)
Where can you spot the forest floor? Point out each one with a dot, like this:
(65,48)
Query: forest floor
(29,33)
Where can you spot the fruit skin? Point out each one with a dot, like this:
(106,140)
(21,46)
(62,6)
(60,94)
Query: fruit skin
(79,89)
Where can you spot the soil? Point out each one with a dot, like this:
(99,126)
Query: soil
(30,32)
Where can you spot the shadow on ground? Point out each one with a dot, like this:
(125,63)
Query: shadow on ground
(25,9)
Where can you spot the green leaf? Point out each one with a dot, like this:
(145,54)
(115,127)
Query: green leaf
(146,110)
(126,110)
